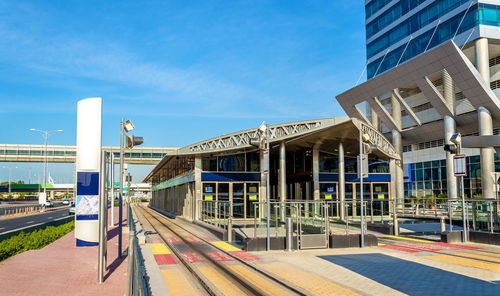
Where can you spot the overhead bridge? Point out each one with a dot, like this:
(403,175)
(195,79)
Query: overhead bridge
(67,154)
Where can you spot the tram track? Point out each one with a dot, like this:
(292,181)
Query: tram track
(391,242)
(164,227)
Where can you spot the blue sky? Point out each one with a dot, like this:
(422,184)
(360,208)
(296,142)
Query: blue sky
(182,71)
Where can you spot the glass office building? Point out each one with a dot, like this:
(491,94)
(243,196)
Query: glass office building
(399,31)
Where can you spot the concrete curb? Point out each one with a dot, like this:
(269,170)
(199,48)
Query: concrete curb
(156,282)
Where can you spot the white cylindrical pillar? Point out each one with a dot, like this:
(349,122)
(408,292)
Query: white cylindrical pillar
(487,154)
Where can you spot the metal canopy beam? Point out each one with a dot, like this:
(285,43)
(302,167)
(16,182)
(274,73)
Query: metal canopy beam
(408,109)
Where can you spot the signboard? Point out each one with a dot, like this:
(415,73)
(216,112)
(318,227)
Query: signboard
(88,165)
(265,169)
(209,197)
(380,196)
(328,196)
(365,166)
(459,165)
(42,198)
(252,197)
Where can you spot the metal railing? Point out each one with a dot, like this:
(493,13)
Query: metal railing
(480,214)
(137,278)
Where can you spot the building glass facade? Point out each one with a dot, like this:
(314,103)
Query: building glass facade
(412,18)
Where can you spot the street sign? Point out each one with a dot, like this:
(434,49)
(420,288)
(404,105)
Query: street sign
(265,171)
(365,166)
(459,165)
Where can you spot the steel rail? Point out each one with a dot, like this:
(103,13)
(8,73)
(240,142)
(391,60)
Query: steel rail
(255,268)
(245,286)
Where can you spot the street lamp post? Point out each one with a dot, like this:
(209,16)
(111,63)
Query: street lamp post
(257,142)
(125,126)
(10,179)
(45,134)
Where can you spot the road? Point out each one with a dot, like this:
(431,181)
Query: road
(6,206)
(19,222)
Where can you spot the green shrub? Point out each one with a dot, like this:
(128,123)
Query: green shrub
(33,240)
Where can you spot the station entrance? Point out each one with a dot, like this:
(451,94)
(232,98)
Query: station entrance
(234,198)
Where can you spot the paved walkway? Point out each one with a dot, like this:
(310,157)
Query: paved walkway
(63,269)
(408,267)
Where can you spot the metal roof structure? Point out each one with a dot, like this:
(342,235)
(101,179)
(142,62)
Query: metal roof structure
(327,133)
(420,72)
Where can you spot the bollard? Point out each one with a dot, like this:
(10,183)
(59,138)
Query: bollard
(443,225)
(289,231)
(230,229)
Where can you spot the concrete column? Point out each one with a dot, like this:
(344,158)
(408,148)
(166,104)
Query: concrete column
(315,171)
(398,168)
(451,180)
(449,130)
(396,110)
(397,142)
(448,90)
(341,189)
(282,176)
(487,154)
(483,58)
(197,186)
(374,119)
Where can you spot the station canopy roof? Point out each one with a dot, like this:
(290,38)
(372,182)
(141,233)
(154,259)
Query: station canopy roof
(327,133)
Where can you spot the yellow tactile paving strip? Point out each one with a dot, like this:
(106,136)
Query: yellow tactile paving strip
(177,283)
(158,248)
(225,246)
(259,281)
(307,281)
(218,280)
(465,262)
(479,256)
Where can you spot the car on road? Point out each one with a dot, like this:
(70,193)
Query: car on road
(71,210)
(65,202)
(48,204)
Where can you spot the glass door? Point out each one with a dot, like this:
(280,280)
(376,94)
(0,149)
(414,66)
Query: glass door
(238,200)
(223,199)
(252,196)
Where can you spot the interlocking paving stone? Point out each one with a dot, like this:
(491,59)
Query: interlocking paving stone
(412,278)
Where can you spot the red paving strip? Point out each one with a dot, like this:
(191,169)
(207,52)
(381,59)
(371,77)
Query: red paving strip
(155,240)
(218,256)
(400,249)
(165,259)
(243,255)
(208,239)
(192,239)
(191,257)
(423,247)
(172,239)
(459,246)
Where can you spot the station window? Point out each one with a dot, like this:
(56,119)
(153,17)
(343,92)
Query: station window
(253,161)
(351,165)
(209,164)
(231,163)
(328,163)
(378,166)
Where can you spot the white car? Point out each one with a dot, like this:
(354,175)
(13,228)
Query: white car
(48,204)
(65,202)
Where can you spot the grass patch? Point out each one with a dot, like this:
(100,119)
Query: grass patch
(33,240)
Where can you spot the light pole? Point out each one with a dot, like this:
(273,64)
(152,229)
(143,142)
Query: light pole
(125,126)
(10,178)
(264,132)
(45,134)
